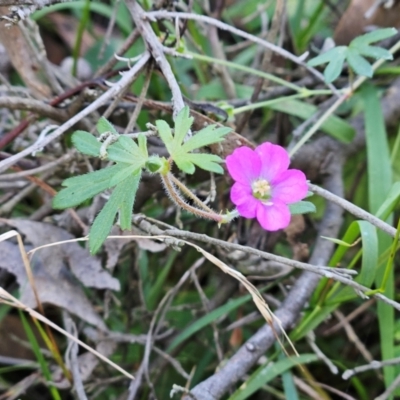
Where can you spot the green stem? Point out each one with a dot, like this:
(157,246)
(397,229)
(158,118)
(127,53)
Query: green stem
(77,47)
(389,264)
(249,70)
(267,103)
(187,192)
(177,199)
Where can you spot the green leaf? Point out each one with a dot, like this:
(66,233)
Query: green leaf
(180,152)
(81,188)
(142,141)
(374,52)
(379,184)
(155,163)
(204,321)
(127,151)
(328,56)
(184,165)
(375,36)
(165,133)
(86,143)
(358,48)
(123,174)
(302,207)
(208,135)
(334,69)
(267,372)
(122,200)
(35,347)
(182,124)
(390,202)
(359,64)
(209,162)
(104,126)
(334,126)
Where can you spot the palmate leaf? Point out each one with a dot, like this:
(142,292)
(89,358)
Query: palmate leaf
(209,135)
(181,152)
(209,162)
(183,122)
(358,63)
(125,150)
(375,36)
(81,188)
(121,200)
(129,157)
(354,54)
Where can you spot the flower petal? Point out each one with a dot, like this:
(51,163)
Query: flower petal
(241,193)
(248,209)
(273,217)
(274,159)
(244,165)
(290,186)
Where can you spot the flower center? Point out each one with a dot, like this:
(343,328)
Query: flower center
(261,189)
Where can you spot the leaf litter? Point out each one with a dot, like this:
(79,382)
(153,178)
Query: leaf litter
(57,270)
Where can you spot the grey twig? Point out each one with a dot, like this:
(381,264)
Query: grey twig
(71,355)
(37,106)
(110,93)
(45,167)
(353,209)
(156,49)
(372,365)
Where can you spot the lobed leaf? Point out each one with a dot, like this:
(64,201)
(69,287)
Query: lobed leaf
(359,64)
(185,165)
(334,69)
(81,188)
(208,162)
(330,55)
(374,52)
(122,200)
(125,150)
(335,59)
(142,141)
(205,137)
(123,174)
(374,36)
(183,122)
(165,133)
(86,143)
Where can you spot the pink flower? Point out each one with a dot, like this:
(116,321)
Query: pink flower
(264,185)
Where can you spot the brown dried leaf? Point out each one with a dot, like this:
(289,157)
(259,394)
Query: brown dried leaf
(60,289)
(84,266)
